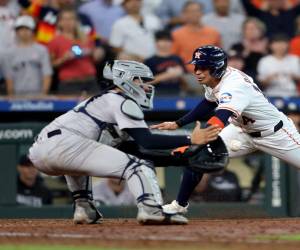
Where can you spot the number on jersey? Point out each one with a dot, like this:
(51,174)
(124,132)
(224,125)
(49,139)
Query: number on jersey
(246,120)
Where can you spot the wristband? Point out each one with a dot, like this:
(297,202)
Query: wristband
(179,123)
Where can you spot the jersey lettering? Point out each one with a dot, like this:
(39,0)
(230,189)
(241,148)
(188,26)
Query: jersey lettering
(246,120)
(247,79)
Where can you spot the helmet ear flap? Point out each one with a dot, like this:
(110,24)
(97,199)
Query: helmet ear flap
(219,69)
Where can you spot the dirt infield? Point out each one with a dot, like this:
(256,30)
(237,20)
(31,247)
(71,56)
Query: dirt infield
(199,234)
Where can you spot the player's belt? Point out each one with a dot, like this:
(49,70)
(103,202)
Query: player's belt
(54,132)
(278,126)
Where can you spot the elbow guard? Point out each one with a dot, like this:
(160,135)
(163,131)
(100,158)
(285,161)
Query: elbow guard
(220,118)
(215,121)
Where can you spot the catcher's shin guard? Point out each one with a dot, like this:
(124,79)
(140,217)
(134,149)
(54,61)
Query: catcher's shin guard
(142,182)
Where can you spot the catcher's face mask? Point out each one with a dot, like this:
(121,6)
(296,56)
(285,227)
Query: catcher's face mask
(132,77)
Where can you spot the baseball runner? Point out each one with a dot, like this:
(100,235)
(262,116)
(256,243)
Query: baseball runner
(248,120)
(83,141)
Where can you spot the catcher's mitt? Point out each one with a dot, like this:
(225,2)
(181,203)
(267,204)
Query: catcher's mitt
(211,157)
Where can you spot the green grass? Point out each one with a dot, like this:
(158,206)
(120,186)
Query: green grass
(287,237)
(55,247)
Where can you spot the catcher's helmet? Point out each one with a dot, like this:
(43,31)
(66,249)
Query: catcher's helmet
(211,57)
(131,77)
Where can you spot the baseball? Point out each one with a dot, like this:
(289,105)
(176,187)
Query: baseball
(235,145)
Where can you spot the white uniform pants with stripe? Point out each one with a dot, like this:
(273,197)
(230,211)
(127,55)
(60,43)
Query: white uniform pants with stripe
(283,144)
(78,157)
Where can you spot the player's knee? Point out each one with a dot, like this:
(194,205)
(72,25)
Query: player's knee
(135,165)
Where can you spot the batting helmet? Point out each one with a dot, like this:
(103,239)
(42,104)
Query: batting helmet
(211,57)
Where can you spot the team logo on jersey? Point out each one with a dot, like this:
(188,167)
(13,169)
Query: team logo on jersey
(225,97)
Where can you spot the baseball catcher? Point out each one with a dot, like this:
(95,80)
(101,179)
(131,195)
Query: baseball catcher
(83,142)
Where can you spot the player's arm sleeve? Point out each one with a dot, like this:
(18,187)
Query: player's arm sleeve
(147,140)
(220,118)
(198,113)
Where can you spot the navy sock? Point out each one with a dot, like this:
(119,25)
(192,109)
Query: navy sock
(189,181)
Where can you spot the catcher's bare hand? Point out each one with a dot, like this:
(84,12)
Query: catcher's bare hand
(205,135)
(165,126)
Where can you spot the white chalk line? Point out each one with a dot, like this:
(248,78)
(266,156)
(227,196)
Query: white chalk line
(106,237)
(175,238)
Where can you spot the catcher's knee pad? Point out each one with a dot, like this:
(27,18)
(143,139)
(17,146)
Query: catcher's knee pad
(141,176)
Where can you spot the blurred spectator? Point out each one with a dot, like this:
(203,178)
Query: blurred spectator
(170,10)
(295,42)
(103,14)
(134,34)
(2,80)
(14,7)
(222,187)
(73,55)
(254,45)
(46,17)
(8,13)
(235,59)
(279,71)
(295,117)
(227,23)
(277,18)
(31,190)
(167,68)
(113,192)
(150,7)
(27,68)
(7,19)
(263,4)
(193,33)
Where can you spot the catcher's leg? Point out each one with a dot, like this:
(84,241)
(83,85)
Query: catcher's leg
(77,156)
(104,161)
(142,181)
(85,211)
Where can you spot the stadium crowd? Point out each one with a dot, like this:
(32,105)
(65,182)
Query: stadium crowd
(60,46)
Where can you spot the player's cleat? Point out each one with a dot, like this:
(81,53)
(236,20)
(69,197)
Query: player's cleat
(175,208)
(148,215)
(175,219)
(86,213)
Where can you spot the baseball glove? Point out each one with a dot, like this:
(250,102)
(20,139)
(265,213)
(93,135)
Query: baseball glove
(211,157)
